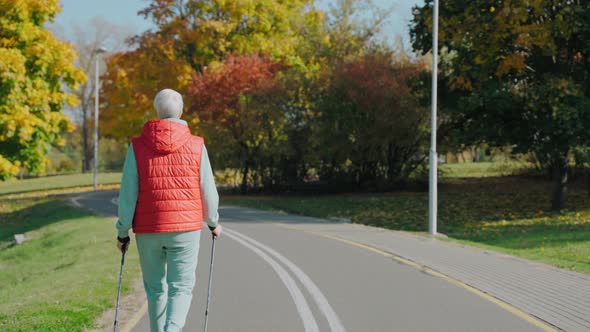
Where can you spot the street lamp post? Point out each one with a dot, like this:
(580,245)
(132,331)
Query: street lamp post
(97,54)
(433,192)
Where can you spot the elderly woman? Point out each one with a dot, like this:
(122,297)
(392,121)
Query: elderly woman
(167,191)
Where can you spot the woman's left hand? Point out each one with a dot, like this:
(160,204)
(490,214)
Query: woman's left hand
(123,243)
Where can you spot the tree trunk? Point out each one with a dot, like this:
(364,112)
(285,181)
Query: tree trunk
(559,184)
(244,185)
(474,154)
(392,170)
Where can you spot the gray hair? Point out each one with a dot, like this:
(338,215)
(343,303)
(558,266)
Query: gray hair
(168,104)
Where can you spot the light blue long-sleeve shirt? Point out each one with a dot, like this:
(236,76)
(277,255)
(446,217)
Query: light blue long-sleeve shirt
(130,191)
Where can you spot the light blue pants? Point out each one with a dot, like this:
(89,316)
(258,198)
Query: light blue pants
(168,263)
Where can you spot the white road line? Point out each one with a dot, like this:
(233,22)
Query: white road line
(314,290)
(74,201)
(305,313)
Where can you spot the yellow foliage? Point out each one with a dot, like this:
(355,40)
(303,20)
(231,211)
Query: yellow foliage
(33,68)
(7,168)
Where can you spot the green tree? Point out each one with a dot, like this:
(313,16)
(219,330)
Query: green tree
(515,73)
(34,67)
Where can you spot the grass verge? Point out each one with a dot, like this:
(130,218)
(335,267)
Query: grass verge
(66,275)
(506,214)
(56,182)
(484,169)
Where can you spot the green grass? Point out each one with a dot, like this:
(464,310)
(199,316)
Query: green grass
(66,275)
(484,169)
(506,214)
(56,182)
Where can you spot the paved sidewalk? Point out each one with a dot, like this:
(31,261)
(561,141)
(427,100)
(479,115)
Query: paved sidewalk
(558,297)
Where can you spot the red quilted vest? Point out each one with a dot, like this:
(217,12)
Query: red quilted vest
(168,163)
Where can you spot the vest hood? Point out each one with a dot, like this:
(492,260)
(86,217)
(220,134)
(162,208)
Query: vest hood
(165,136)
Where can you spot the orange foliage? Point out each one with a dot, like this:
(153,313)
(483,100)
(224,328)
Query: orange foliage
(131,82)
(219,89)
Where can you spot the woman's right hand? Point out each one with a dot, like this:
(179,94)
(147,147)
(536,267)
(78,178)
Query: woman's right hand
(216,232)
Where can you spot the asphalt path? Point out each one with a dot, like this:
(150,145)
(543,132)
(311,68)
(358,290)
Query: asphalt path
(273,278)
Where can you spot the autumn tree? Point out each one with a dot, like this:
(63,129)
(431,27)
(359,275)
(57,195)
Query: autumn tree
(189,36)
(256,76)
(371,126)
(352,26)
(34,67)
(132,80)
(209,30)
(515,73)
(344,33)
(241,107)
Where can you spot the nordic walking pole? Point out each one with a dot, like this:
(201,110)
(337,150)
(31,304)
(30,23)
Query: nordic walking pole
(209,291)
(116,327)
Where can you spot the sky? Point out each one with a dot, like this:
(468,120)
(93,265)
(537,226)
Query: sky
(120,12)
(124,12)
